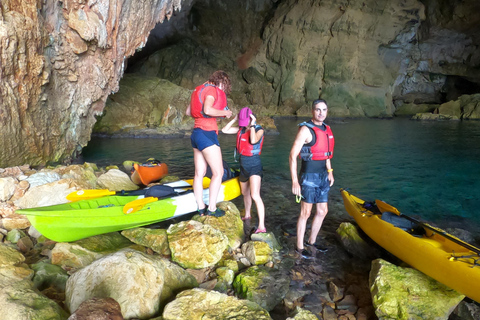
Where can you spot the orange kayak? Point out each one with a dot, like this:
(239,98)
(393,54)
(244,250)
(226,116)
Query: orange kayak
(147,173)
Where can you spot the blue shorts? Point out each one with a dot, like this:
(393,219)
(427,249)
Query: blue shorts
(250,166)
(202,139)
(315,187)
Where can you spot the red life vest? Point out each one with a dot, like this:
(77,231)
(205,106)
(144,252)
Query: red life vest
(244,147)
(197,100)
(322,149)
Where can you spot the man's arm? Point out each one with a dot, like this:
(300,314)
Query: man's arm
(211,111)
(330,172)
(301,138)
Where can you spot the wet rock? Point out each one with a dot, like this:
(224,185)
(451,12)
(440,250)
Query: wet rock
(49,275)
(353,242)
(293,297)
(403,292)
(200,304)
(14,235)
(31,305)
(141,283)
(262,285)
(433,117)
(156,239)
(116,180)
(302,314)
(328,313)
(466,311)
(195,245)
(257,252)
(230,224)
(25,244)
(335,292)
(98,309)
(349,302)
(268,238)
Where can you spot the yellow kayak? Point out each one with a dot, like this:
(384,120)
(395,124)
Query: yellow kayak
(428,249)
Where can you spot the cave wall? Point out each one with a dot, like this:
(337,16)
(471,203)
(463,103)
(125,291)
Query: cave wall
(60,60)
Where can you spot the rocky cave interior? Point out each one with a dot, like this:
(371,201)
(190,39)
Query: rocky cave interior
(235,37)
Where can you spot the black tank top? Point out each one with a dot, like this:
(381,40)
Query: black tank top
(315,166)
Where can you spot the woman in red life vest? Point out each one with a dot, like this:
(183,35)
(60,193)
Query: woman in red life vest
(208,102)
(249,146)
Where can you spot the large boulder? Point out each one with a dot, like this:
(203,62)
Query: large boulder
(405,293)
(197,304)
(140,283)
(155,239)
(195,245)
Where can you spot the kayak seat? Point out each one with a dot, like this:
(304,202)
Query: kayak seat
(403,223)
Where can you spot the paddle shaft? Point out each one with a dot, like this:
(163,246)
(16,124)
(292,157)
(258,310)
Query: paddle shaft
(386,207)
(442,233)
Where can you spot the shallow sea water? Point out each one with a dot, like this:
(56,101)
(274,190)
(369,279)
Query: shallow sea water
(429,170)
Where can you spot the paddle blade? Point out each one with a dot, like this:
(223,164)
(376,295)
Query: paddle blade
(205,182)
(383,206)
(89,194)
(135,205)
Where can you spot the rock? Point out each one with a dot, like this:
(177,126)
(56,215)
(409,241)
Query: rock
(328,313)
(98,309)
(7,188)
(202,304)
(42,177)
(49,275)
(156,239)
(293,297)
(116,180)
(78,254)
(335,292)
(467,311)
(230,224)
(268,238)
(14,235)
(32,232)
(354,243)
(141,283)
(257,252)
(195,245)
(302,314)
(15,222)
(262,285)
(128,165)
(83,175)
(25,244)
(466,107)
(31,305)
(401,293)
(20,190)
(226,275)
(145,105)
(47,194)
(433,117)
(169,178)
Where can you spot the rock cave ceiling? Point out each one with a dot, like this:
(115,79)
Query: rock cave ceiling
(448,26)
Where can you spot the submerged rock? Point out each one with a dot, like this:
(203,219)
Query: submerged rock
(262,285)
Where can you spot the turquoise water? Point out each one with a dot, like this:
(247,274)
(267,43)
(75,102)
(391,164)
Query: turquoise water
(428,169)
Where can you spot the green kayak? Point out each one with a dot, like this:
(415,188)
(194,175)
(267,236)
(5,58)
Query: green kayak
(85,218)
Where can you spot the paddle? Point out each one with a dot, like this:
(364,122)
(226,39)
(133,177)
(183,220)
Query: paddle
(386,207)
(135,205)
(97,193)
